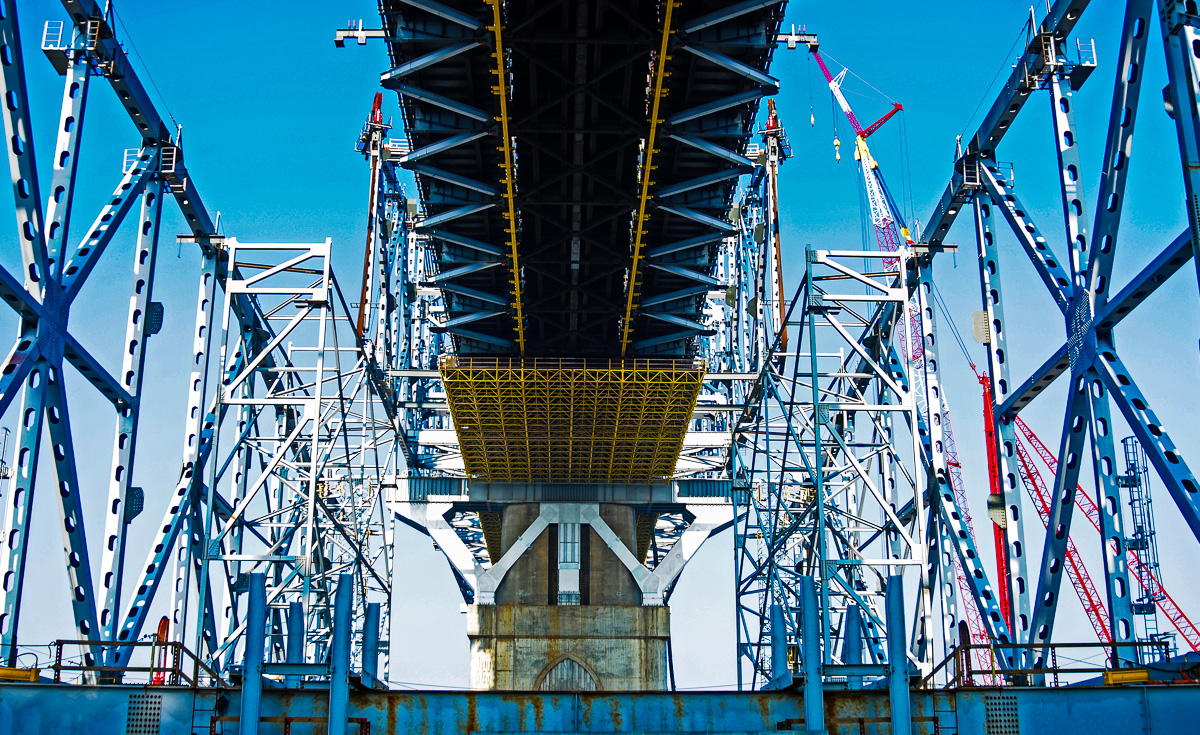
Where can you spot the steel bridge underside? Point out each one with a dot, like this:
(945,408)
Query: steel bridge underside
(581,85)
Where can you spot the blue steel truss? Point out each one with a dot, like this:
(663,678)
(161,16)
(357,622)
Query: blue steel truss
(1082,291)
(784,532)
(554,213)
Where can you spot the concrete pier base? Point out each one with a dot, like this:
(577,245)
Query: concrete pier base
(568,648)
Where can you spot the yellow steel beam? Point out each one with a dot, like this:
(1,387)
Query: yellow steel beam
(509,180)
(647,169)
(570,421)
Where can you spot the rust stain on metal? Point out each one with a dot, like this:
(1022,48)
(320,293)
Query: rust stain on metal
(585,705)
(539,712)
(392,710)
(764,709)
(614,706)
(472,714)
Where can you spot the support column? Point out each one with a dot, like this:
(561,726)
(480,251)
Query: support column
(852,642)
(370,645)
(252,666)
(134,360)
(897,658)
(295,639)
(569,591)
(339,657)
(781,672)
(810,635)
(1015,587)
(20,505)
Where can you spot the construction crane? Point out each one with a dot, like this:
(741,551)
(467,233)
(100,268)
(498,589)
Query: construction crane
(1147,578)
(891,233)
(995,493)
(1093,606)
(1142,541)
(889,228)
(777,150)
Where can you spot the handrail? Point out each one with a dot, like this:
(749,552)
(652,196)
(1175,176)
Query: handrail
(964,671)
(176,671)
(562,363)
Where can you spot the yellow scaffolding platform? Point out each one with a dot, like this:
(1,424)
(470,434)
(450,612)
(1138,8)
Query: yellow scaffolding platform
(582,422)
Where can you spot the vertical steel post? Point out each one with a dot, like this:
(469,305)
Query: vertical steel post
(897,658)
(21,159)
(818,480)
(781,672)
(852,642)
(339,658)
(810,634)
(992,294)
(370,643)
(195,446)
(66,156)
(183,570)
(1183,73)
(133,363)
(295,639)
(252,667)
(313,413)
(20,504)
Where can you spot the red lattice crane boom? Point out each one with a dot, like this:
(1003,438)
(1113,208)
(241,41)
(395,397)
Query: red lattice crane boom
(1080,579)
(1182,623)
(891,234)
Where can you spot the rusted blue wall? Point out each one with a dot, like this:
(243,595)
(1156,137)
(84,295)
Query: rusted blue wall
(46,709)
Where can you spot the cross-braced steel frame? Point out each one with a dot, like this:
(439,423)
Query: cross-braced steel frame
(289,431)
(304,410)
(1081,285)
(777,520)
(842,479)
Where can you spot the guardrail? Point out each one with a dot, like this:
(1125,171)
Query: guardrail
(960,661)
(175,672)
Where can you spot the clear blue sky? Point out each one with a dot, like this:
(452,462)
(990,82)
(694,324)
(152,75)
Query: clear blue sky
(270,112)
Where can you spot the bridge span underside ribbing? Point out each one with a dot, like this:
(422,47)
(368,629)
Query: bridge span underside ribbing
(583,80)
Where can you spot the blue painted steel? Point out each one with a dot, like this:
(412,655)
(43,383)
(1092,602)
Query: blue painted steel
(339,659)
(370,643)
(724,103)
(898,692)
(38,709)
(732,65)
(295,638)
(1118,149)
(427,60)
(252,661)
(443,102)
(810,636)
(443,11)
(852,643)
(66,155)
(992,300)
(722,15)
(781,672)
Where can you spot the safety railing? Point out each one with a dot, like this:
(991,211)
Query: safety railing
(52,35)
(1056,667)
(572,363)
(1087,51)
(171,664)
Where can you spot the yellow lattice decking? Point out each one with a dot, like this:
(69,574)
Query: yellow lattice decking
(570,421)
